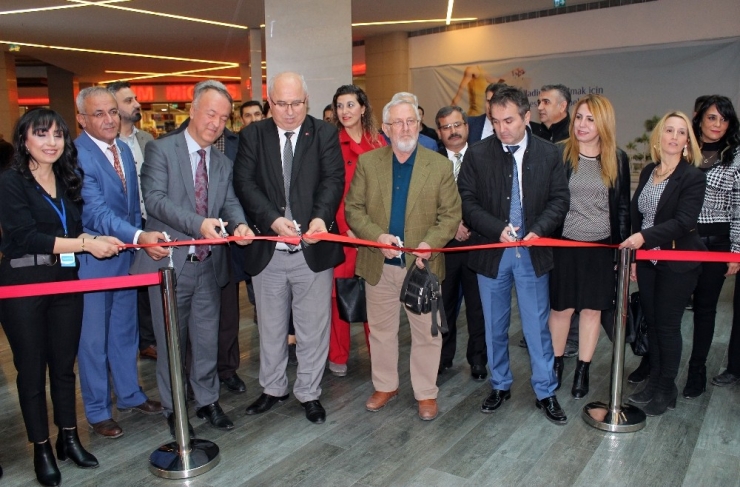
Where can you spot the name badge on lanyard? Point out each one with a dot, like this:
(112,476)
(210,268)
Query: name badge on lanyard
(66,259)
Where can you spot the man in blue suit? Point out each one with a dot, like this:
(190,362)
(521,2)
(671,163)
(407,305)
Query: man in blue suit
(110,337)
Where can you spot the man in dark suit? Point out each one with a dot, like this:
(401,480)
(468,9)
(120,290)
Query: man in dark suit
(480,126)
(187,186)
(289,177)
(513,186)
(109,340)
(459,279)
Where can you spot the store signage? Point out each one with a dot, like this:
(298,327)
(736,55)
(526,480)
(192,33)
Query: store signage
(174,93)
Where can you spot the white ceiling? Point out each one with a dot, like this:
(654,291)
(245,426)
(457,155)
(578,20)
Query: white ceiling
(95,27)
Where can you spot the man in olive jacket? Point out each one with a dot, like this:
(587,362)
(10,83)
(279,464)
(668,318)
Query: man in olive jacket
(408,193)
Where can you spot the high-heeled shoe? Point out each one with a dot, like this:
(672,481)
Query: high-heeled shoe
(645,395)
(580,380)
(69,446)
(557,367)
(45,466)
(662,401)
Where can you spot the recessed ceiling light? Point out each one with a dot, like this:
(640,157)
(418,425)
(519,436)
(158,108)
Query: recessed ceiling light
(58,7)
(420,21)
(449,11)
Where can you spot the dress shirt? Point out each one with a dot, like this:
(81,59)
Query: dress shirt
(487,129)
(451,154)
(293,141)
(519,158)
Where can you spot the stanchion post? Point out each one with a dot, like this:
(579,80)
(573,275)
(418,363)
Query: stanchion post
(185,457)
(617,417)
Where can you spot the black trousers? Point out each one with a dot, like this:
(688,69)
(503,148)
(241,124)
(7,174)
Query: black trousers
(457,275)
(144,311)
(663,295)
(43,332)
(733,350)
(706,296)
(228,331)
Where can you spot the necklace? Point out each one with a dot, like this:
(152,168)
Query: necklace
(666,173)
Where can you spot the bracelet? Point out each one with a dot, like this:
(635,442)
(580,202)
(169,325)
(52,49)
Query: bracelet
(83,244)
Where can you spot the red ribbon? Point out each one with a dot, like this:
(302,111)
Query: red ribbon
(79,286)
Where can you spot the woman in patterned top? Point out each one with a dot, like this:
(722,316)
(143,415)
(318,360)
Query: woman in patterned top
(665,210)
(716,125)
(583,279)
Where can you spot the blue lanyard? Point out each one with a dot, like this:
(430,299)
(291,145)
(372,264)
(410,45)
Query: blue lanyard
(62,214)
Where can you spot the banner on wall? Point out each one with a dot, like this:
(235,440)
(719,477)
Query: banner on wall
(640,83)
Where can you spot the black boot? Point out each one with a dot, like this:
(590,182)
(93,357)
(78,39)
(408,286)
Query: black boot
(696,383)
(580,380)
(662,401)
(44,464)
(557,367)
(646,394)
(68,446)
(641,373)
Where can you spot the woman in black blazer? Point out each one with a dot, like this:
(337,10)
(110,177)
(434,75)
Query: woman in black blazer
(665,210)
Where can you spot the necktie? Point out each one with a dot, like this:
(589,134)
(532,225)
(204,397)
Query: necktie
(201,198)
(515,213)
(287,169)
(117,166)
(458,164)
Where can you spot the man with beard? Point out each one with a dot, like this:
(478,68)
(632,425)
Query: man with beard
(452,127)
(401,195)
(129,110)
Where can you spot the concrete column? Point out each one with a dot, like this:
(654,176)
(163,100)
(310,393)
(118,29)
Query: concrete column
(9,112)
(314,39)
(255,60)
(387,67)
(63,89)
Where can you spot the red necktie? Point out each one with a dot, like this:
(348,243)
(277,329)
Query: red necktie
(117,166)
(201,198)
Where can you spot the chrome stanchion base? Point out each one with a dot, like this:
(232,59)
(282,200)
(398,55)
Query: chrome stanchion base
(628,420)
(168,462)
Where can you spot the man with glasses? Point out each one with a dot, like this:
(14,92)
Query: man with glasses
(109,341)
(452,127)
(289,177)
(401,195)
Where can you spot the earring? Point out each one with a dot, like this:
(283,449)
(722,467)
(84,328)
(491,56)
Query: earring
(685,152)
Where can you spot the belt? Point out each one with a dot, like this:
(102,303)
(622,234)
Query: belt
(287,251)
(194,258)
(34,259)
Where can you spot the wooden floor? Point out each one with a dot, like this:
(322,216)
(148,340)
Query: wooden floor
(698,444)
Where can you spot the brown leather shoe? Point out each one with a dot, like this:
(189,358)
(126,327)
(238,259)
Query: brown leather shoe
(108,429)
(149,353)
(379,399)
(428,409)
(147,407)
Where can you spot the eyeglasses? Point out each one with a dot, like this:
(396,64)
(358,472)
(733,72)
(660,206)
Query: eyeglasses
(451,126)
(410,123)
(113,112)
(284,105)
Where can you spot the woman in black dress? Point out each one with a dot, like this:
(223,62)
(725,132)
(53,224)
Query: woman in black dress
(583,279)
(665,209)
(42,231)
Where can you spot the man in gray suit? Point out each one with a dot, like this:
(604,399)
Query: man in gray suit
(129,110)
(187,187)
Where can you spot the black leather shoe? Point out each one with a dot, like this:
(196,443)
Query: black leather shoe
(696,383)
(69,446)
(641,373)
(494,400)
(557,366)
(724,379)
(171,424)
(478,372)
(580,380)
(315,412)
(571,348)
(235,384)
(264,403)
(216,416)
(553,412)
(44,464)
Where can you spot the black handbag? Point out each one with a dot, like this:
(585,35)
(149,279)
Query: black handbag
(607,321)
(421,295)
(640,343)
(351,299)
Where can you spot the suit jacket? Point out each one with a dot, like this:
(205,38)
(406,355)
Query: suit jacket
(169,196)
(107,209)
(316,187)
(432,207)
(475,128)
(143,137)
(485,187)
(674,227)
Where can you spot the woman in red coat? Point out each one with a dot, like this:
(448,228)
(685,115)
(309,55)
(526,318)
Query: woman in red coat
(357,135)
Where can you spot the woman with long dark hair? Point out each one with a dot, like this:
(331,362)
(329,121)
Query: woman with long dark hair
(42,231)
(665,210)
(718,130)
(583,279)
(358,134)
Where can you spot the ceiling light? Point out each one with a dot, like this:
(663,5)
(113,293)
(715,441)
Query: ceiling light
(176,73)
(162,75)
(58,7)
(396,22)
(159,14)
(449,11)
